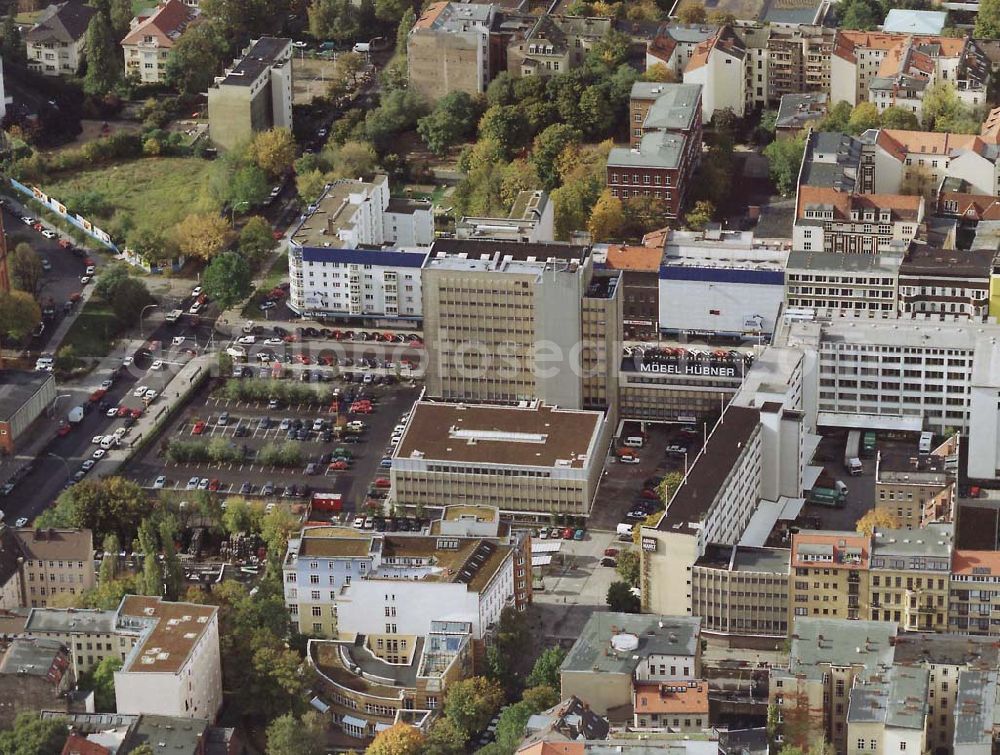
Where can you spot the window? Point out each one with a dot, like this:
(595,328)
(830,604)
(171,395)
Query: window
(861,744)
(317,611)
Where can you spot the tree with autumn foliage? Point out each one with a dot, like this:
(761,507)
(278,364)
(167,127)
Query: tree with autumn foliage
(273,151)
(398,739)
(203,235)
(875,519)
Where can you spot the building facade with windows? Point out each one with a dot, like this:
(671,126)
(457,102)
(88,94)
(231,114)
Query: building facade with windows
(56,44)
(839,285)
(555,44)
(152,36)
(829,575)
(974,602)
(910,579)
(917,489)
(946,284)
(55,562)
(718,67)
(23,398)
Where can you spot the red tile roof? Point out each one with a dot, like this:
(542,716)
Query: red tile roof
(973,562)
(166,24)
(681,697)
(77,745)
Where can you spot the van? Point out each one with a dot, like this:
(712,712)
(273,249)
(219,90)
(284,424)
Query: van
(173,316)
(926,442)
(624,529)
(633,441)
(841,487)
(108,441)
(362,47)
(855,467)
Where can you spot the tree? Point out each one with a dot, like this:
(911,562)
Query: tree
(25,268)
(103,67)
(273,151)
(628,567)
(348,66)
(541,696)
(256,239)
(546,668)
(228,279)
(784,158)
(33,735)
(130,296)
(612,49)
(505,126)
(864,116)
(310,185)
(398,739)
(173,572)
(501,91)
(120,14)
(546,149)
(691,13)
(898,118)
(195,58)
(700,215)
(109,279)
(203,235)
(988,20)
(861,15)
(399,111)
(668,486)
(876,519)
(658,72)
(19,314)
(721,18)
(102,681)
(607,218)
(620,598)
(391,11)
(152,573)
(105,505)
(471,703)
(445,738)
(403,30)
(247,187)
(109,562)
(837,118)
(452,120)
(352,159)
(287,735)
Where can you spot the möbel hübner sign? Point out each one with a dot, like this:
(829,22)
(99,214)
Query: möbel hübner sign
(705,370)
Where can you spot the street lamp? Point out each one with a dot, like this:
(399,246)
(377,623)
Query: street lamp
(232,212)
(65,464)
(141,314)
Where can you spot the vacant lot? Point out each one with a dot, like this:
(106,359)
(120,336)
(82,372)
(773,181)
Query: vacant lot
(311,77)
(154,193)
(93,332)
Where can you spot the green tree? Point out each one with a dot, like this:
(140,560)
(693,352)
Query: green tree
(172,569)
(505,126)
(120,14)
(256,240)
(541,696)
(391,11)
(288,735)
(668,486)
(784,158)
(102,681)
(445,738)
(399,739)
(546,149)
(109,562)
(103,66)
(19,314)
(837,118)
(864,116)
(152,573)
(452,120)
(310,185)
(11,45)
(106,505)
(195,58)
(700,215)
(988,20)
(899,118)
(628,567)
(237,517)
(471,703)
(25,268)
(323,16)
(227,279)
(33,735)
(352,159)
(406,22)
(500,92)
(546,668)
(692,13)
(248,187)
(621,599)
(130,296)
(399,111)
(599,117)
(862,15)
(607,219)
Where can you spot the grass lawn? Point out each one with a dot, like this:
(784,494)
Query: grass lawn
(94,331)
(277,273)
(156,193)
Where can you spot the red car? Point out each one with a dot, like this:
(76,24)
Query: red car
(65,244)
(302,359)
(123,411)
(198,429)
(337,335)
(568,533)
(88,262)
(383,482)
(610,552)
(276,293)
(337,466)
(63,430)
(136,413)
(416,343)
(38,227)
(650,494)
(213,485)
(97,395)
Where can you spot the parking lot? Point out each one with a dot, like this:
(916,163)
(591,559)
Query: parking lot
(622,485)
(250,427)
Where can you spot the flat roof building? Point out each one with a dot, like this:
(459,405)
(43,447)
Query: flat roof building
(23,397)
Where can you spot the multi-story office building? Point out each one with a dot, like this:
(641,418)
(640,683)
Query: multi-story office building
(910,577)
(56,44)
(507,322)
(975,582)
(555,44)
(152,36)
(640,270)
(531,459)
(55,562)
(839,285)
(390,587)
(917,489)
(358,254)
(829,575)
(944,284)
(665,147)
(254,95)
(741,591)
(449,50)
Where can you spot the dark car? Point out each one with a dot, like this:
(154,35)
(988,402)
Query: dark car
(268,488)
(245,488)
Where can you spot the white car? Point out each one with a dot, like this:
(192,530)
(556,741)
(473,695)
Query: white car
(127,362)
(203,483)
(99,454)
(27,220)
(273,342)
(21,522)
(275,191)
(120,433)
(90,270)
(193,483)
(88,464)
(159,482)
(85,279)
(196,291)
(157,365)
(247,340)
(44,364)
(97,439)
(195,308)
(49,234)
(139,391)
(359,522)
(150,395)
(178,340)
(111,412)
(107,384)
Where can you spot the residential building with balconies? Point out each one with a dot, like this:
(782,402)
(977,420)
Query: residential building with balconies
(910,577)
(942,284)
(56,44)
(829,575)
(152,36)
(974,603)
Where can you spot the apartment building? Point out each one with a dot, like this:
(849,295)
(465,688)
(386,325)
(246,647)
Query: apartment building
(827,656)
(35,675)
(975,580)
(366,684)
(679,706)
(555,44)
(448,49)
(724,283)
(976,719)
(358,253)
(909,577)
(507,322)
(668,150)
(830,220)
(797,112)
(531,219)
(89,635)
(674,44)
(254,95)
(392,587)
(944,284)
(531,459)
(55,562)
(798,60)
(917,489)
(151,37)
(56,44)
(615,651)
(640,268)
(829,575)
(11,594)
(741,591)
(717,67)
(838,285)
(888,713)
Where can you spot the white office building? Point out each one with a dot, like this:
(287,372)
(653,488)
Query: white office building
(357,253)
